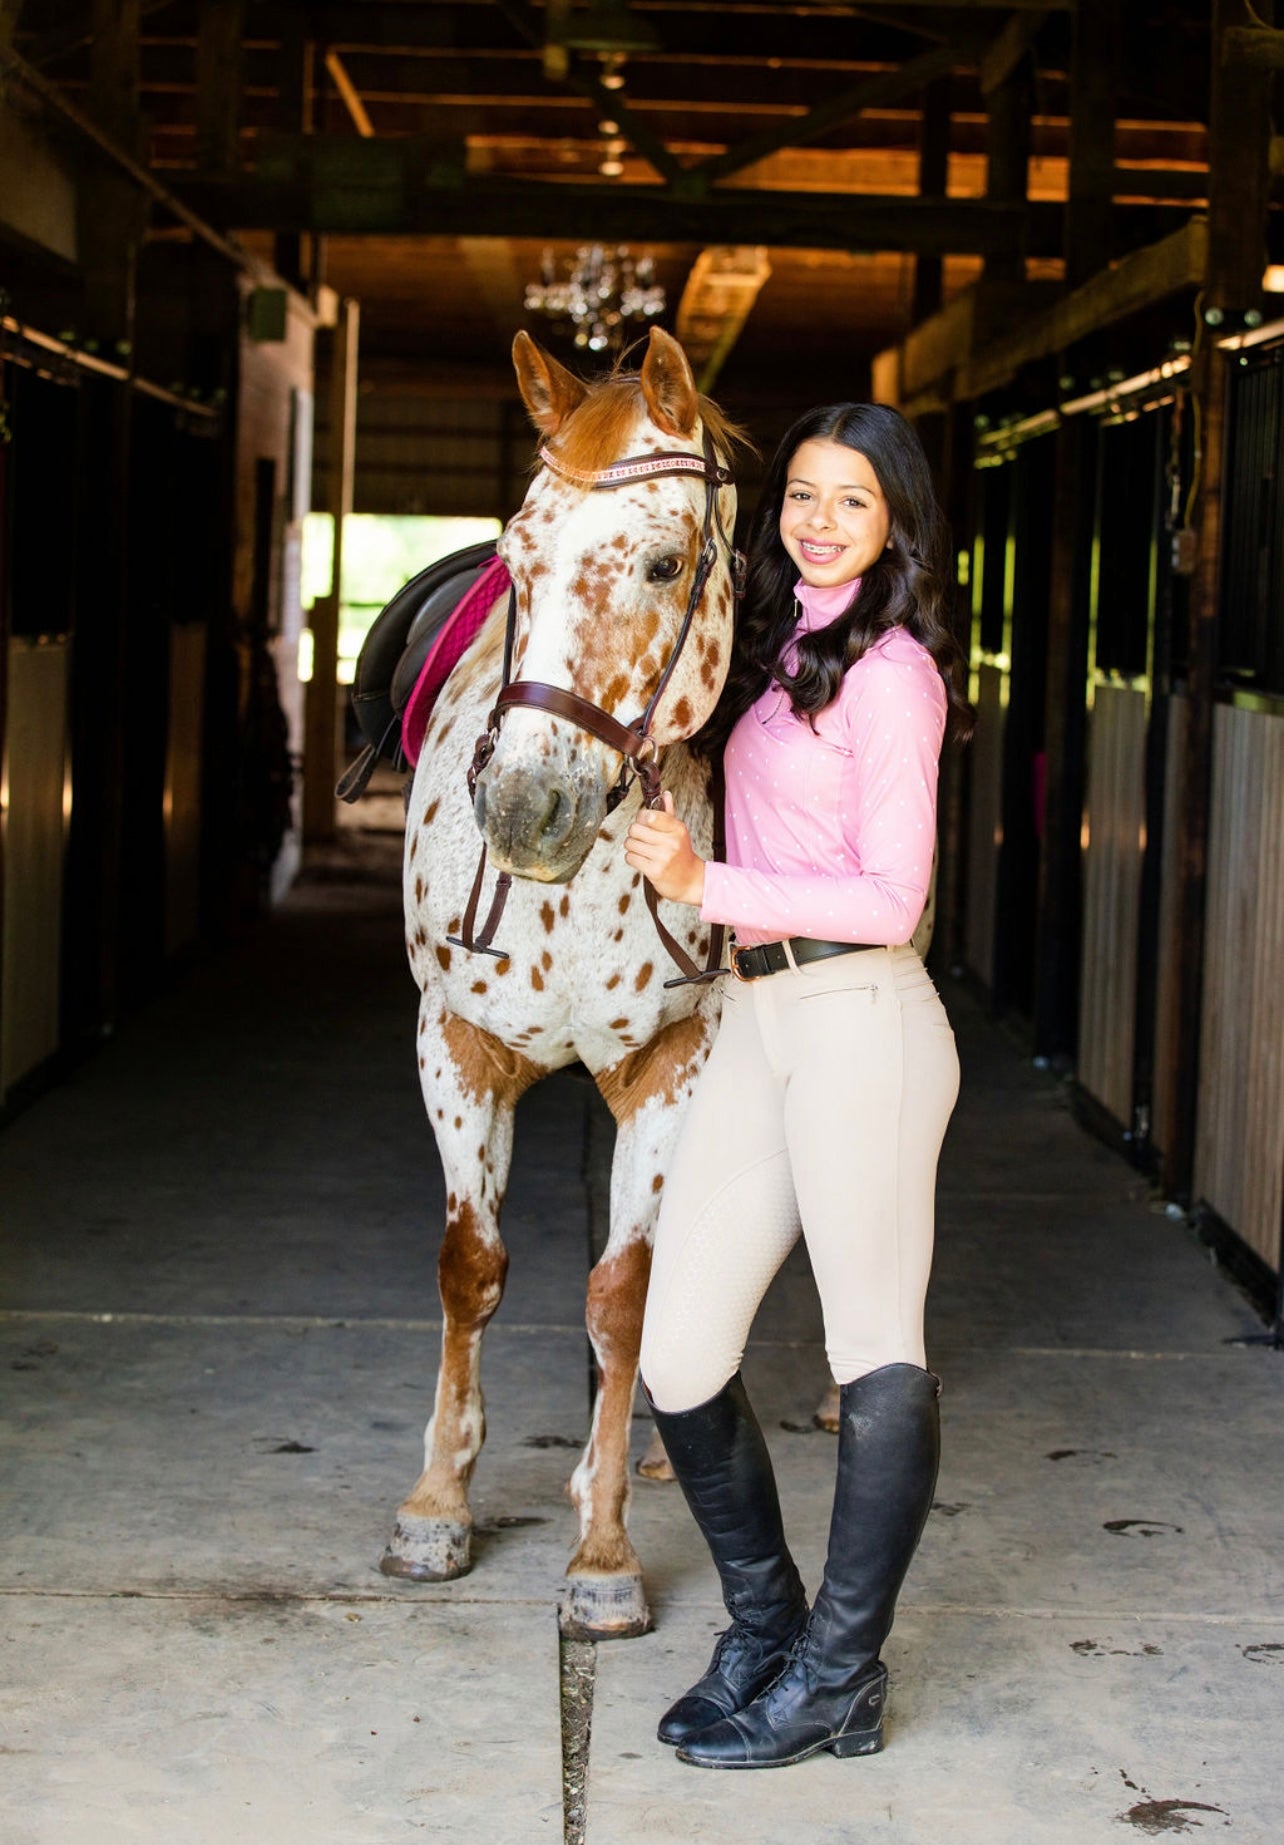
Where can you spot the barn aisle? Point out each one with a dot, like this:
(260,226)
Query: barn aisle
(219,1335)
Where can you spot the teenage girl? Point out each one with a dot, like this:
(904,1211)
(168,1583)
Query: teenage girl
(827,1093)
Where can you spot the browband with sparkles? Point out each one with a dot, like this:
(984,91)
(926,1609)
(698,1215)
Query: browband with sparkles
(640,467)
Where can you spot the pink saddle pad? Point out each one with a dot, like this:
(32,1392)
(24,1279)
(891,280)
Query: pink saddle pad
(458,632)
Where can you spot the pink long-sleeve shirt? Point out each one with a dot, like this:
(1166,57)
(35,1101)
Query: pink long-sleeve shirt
(831,831)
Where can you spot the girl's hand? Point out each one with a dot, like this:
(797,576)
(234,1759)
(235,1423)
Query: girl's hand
(659,846)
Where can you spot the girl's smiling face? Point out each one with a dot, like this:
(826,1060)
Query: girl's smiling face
(834,521)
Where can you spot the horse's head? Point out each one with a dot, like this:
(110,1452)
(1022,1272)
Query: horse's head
(609,604)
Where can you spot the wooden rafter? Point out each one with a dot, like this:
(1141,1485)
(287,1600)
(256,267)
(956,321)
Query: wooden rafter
(348,93)
(1002,56)
(721,289)
(888,87)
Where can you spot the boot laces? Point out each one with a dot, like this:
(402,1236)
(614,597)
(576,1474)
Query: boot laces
(794,1660)
(742,1638)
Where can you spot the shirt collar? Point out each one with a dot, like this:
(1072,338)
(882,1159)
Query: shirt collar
(820,606)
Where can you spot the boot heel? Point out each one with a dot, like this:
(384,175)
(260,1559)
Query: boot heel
(865,1717)
(858,1742)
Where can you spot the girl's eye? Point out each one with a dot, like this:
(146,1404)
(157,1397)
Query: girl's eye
(664,570)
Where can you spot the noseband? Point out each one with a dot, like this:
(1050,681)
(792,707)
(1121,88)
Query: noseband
(637,746)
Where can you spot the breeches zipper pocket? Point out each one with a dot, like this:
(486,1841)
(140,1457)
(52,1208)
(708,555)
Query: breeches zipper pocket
(834,993)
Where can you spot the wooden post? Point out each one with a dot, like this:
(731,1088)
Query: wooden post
(110,226)
(5,435)
(933,176)
(1057,933)
(111,217)
(219,85)
(8,19)
(1239,181)
(291,249)
(948,439)
(1093,87)
(321,732)
(1008,158)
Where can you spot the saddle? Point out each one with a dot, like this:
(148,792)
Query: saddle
(406,658)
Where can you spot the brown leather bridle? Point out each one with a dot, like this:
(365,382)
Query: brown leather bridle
(637,746)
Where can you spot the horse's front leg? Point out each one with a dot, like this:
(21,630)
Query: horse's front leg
(604,1596)
(470,1083)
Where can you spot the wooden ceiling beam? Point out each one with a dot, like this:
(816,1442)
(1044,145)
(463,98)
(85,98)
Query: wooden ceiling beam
(989,7)
(343,185)
(1260,47)
(981,340)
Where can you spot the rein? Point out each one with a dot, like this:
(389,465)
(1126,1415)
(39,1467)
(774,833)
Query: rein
(640,752)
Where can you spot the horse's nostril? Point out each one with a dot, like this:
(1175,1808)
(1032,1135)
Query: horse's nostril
(558,817)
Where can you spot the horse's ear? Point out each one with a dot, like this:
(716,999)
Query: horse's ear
(548,390)
(668,385)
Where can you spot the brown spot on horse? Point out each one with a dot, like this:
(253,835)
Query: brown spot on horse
(659,1068)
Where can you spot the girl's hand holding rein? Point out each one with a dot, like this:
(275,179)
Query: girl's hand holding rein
(659,846)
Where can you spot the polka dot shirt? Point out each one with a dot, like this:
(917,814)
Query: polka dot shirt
(831,832)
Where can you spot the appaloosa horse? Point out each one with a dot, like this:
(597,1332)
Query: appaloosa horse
(623,603)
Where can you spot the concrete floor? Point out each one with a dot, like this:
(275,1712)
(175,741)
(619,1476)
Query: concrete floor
(218,1339)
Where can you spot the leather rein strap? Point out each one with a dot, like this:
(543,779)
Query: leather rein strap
(634,741)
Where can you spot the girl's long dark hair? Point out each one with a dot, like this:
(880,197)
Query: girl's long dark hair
(911,586)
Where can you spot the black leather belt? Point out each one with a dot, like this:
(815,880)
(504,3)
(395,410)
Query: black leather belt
(770,957)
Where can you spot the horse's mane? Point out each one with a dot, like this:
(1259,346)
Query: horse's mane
(595,433)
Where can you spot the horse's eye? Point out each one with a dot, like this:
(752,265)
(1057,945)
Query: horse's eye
(664,570)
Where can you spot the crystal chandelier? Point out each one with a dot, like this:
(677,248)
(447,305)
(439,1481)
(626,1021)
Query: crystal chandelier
(605,290)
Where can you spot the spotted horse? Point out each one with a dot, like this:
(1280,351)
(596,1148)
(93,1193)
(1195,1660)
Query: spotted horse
(622,605)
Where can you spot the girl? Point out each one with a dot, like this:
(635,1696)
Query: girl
(825,1099)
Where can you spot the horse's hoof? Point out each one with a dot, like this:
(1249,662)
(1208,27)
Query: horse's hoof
(428,1550)
(655,1464)
(603,1608)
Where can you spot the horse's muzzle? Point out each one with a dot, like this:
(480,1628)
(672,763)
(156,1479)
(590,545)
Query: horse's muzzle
(538,825)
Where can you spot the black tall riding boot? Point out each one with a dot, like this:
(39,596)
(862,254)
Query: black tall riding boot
(831,1693)
(723,1467)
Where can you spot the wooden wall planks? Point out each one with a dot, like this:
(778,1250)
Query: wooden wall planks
(1239,1152)
(1116,812)
(1164,1102)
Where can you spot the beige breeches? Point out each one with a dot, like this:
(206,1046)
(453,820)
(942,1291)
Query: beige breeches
(821,1110)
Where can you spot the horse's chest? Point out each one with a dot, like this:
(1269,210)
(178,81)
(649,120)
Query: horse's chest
(585,970)
(581,978)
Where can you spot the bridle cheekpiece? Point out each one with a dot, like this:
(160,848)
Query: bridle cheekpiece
(634,741)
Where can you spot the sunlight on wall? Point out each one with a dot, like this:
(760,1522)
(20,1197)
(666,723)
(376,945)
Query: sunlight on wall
(381,552)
